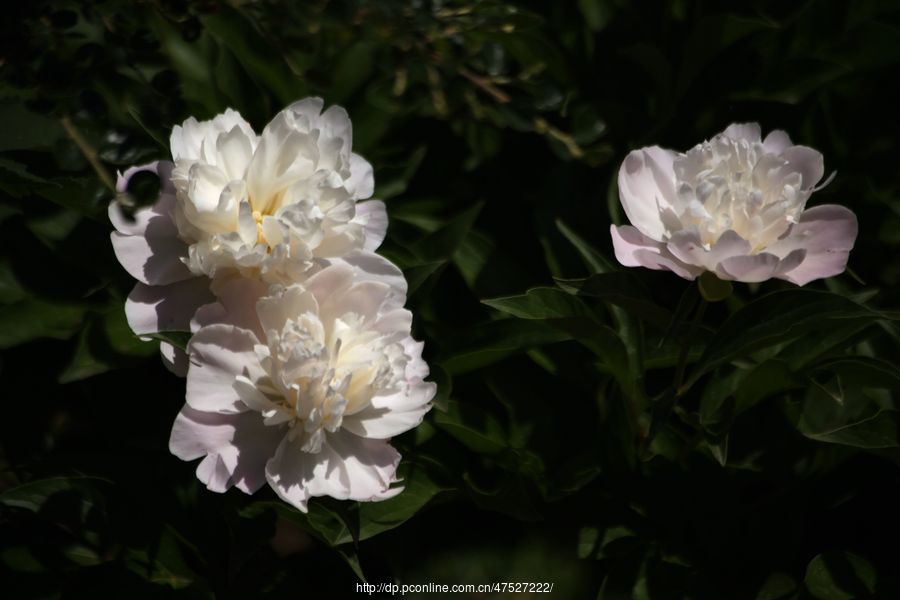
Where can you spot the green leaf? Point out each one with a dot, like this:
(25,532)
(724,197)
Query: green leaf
(25,130)
(843,404)
(541,303)
(419,489)
(623,290)
(474,427)
(34,494)
(490,342)
(441,244)
(33,319)
(881,430)
(592,258)
(255,53)
(839,576)
(778,586)
(777,318)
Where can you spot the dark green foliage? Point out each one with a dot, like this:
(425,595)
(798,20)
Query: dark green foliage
(585,432)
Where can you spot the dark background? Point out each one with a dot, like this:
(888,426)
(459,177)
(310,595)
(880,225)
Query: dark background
(495,129)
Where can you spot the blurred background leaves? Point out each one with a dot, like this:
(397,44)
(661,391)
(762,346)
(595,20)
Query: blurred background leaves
(559,449)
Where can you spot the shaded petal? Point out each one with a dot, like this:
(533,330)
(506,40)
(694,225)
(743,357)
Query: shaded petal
(634,249)
(686,246)
(236,305)
(646,187)
(236,446)
(174,359)
(777,142)
(219,353)
(373,216)
(748,268)
(374,267)
(394,414)
(347,467)
(150,309)
(827,234)
(808,162)
(154,257)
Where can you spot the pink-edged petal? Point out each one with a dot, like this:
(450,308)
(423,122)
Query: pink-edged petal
(808,162)
(750,132)
(361,183)
(236,446)
(375,222)
(827,234)
(777,142)
(150,309)
(634,249)
(219,353)
(748,268)
(347,467)
(174,359)
(647,187)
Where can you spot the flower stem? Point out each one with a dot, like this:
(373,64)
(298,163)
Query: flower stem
(88,151)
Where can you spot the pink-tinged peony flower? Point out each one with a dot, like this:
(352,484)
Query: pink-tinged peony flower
(735,206)
(277,207)
(302,387)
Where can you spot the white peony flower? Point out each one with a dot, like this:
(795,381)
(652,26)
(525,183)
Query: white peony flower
(734,205)
(302,388)
(277,207)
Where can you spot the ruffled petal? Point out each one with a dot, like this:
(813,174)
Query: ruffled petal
(236,447)
(347,467)
(634,249)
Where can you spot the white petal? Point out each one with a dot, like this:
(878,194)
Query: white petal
(361,183)
(777,142)
(174,359)
(743,131)
(634,249)
(646,187)
(374,219)
(150,309)
(827,233)
(749,268)
(347,467)
(808,162)
(392,415)
(236,445)
(218,354)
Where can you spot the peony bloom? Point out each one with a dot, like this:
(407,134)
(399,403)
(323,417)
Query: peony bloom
(735,206)
(276,206)
(302,388)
